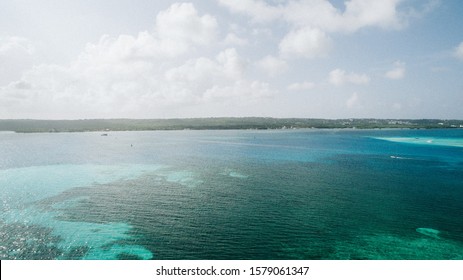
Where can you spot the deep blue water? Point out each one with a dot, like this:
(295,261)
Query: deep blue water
(288,194)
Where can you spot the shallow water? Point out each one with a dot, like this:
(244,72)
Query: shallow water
(451,142)
(302,194)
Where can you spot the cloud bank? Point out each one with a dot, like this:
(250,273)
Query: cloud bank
(145,75)
(228,58)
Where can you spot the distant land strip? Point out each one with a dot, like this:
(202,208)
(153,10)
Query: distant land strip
(32,126)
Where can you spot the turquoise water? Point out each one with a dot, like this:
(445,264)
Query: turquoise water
(290,194)
(439,141)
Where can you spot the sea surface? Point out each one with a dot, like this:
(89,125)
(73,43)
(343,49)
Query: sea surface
(238,194)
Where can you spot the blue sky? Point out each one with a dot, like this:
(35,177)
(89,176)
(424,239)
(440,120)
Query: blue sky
(166,59)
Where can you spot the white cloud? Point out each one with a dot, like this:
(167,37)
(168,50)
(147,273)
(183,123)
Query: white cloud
(12,44)
(259,10)
(272,66)
(198,75)
(16,55)
(137,76)
(398,72)
(242,91)
(178,29)
(223,78)
(181,23)
(352,101)
(358,14)
(233,39)
(311,21)
(339,77)
(459,51)
(301,86)
(20,85)
(111,86)
(364,13)
(233,64)
(305,42)
(322,14)
(187,63)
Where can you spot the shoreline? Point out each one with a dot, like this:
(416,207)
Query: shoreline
(245,123)
(225,129)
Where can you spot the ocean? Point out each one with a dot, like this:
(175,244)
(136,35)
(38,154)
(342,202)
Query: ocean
(232,194)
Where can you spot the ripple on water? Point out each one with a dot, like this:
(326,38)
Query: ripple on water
(30,232)
(395,247)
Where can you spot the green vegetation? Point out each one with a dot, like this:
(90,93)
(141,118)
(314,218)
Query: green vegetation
(216,123)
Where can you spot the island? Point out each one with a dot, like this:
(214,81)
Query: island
(82,125)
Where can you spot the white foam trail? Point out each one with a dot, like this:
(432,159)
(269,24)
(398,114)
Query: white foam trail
(434,233)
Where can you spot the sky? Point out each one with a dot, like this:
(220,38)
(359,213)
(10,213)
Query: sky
(231,58)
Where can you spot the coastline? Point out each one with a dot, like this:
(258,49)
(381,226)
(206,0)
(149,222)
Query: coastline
(245,123)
